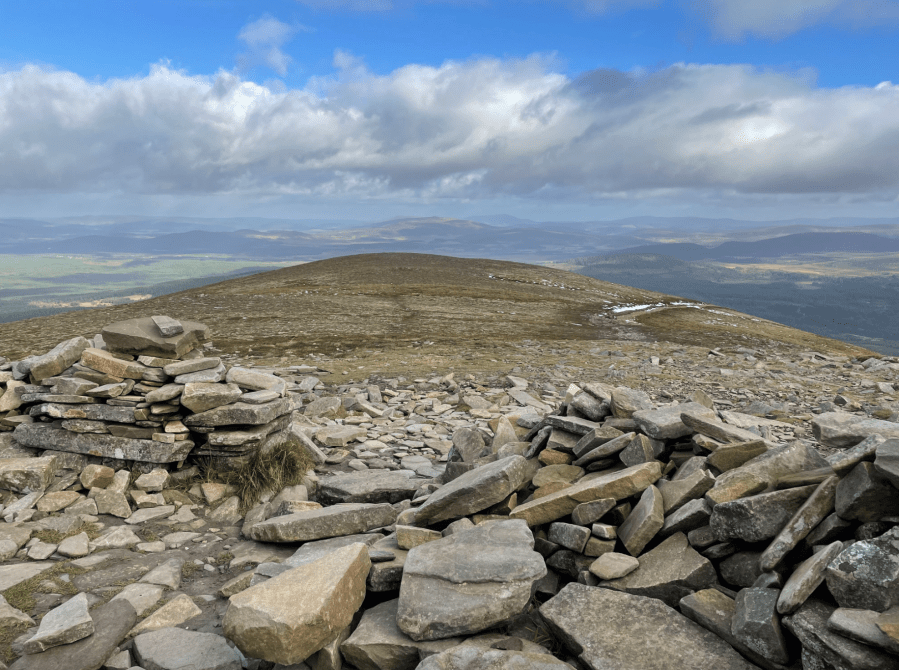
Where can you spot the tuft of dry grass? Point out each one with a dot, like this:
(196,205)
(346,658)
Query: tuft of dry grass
(283,465)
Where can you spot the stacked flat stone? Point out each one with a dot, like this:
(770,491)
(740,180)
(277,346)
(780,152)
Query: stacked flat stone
(142,391)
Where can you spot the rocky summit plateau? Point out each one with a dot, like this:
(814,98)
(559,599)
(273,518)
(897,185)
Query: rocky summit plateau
(612,494)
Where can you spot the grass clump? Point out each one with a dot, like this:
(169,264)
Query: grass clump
(270,471)
(189,569)
(8,635)
(21,596)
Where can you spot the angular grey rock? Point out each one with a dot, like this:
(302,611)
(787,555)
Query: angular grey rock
(717,430)
(167,326)
(865,575)
(200,397)
(806,577)
(819,505)
(112,622)
(866,495)
(141,336)
(591,407)
(665,423)
(179,368)
(240,413)
(377,643)
(210,376)
(468,445)
(691,516)
(678,492)
(469,581)
(476,490)
(61,357)
(317,524)
(369,487)
(256,380)
(887,460)
(568,535)
(467,657)
(177,649)
(90,412)
(27,475)
(165,393)
(756,624)
(759,517)
(312,551)
(604,448)
(641,449)
(668,572)
(64,624)
(840,429)
(626,401)
(106,446)
(863,626)
(609,629)
(596,438)
(644,521)
(827,647)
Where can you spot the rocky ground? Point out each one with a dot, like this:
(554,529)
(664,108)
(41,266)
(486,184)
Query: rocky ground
(611,503)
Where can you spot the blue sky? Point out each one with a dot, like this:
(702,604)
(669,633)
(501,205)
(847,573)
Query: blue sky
(374,108)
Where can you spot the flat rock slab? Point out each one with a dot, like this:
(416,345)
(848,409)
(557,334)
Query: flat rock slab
(476,490)
(865,575)
(142,336)
(178,649)
(291,616)
(757,518)
(112,622)
(44,436)
(665,423)
(668,573)
(468,581)
(318,524)
(12,575)
(369,487)
(241,413)
(67,623)
(473,658)
(841,430)
(609,629)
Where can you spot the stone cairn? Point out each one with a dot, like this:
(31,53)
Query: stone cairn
(599,531)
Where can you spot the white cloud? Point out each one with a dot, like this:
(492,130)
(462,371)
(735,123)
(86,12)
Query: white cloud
(265,38)
(732,19)
(476,130)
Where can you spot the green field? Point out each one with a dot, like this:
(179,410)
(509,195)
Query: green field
(39,285)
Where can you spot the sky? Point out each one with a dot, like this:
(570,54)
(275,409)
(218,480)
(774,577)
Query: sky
(371,109)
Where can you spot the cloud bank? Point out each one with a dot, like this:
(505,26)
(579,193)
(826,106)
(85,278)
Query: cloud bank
(468,131)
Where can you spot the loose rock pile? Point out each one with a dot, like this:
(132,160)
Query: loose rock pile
(444,525)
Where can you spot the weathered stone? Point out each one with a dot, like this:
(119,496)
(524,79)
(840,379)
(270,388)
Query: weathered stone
(67,623)
(369,487)
(112,622)
(167,326)
(476,490)
(830,649)
(74,546)
(866,495)
(605,449)
(10,616)
(595,438)
(175,612)
(89,412)
(111,502)
(812,512)
(142,336)
(61,357)
(865,626)
(115,538)
(503,434)
(609,629)
(143,597)
(468,657)
(240,413)
(665,423)
(626,401)
(613,565)
(340,436)
(199,397)
(377,643)
(165,393)
(668,572)
(107,446)
(641,449)
(730,456)
(25,475)
(589,512)
(806,577)
(293,615)
(469,581)
(644,521)
(155,480)
(887,460)
(255,380)
(105,362)
(408,537)
(865,575)
(590,406)
(759,517)
(177,649)
(178,368)
(756,624)
(678,492)
(691,516)
(616,485)
(568,535)
(840,430)
(571,424)
(317,524)
(327,406)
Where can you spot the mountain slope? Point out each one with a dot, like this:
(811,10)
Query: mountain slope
(393,300)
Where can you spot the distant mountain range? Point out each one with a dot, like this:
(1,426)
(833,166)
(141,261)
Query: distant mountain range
(495,236)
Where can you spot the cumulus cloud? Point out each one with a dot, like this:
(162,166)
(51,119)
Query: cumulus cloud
(732,19)
(264,39)
(471,130)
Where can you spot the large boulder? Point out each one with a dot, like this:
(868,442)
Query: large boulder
(476,490)
(608,629)
(370,486)
(142,336)
(841,430)
(468,581)
(289,617)
(318,524)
